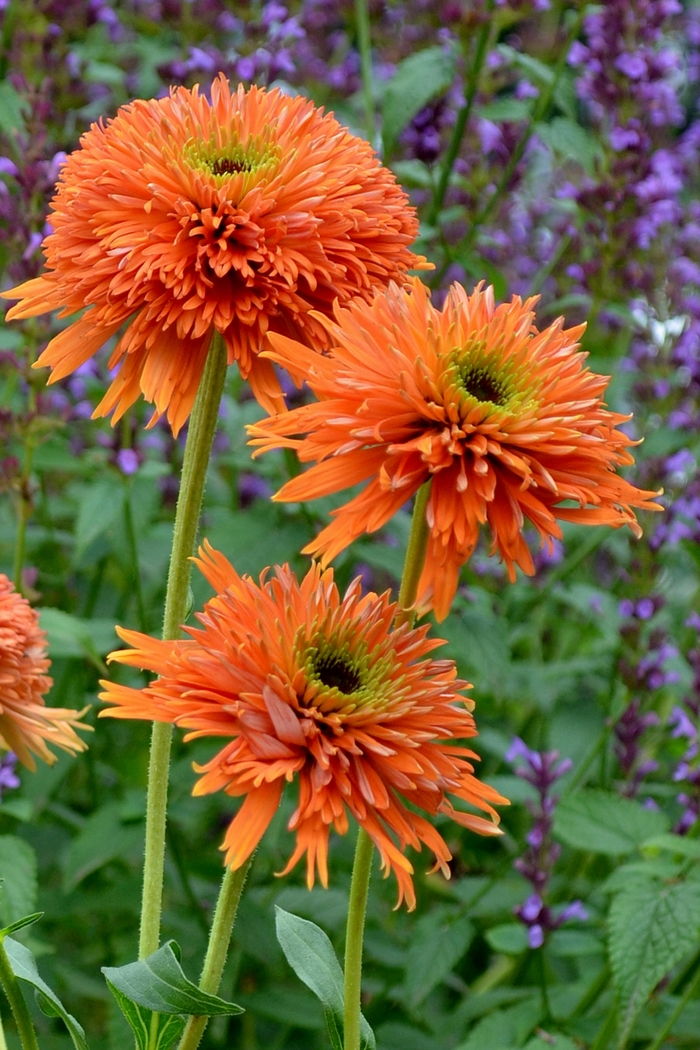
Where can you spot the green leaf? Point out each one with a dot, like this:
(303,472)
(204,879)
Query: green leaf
(13,109)
(159,984)
(19,924)
(152,1031)
(550,1041)
(100,506)
(652,927)
(310,954)
(568,139)
(439,941)
(504,1028)
(418,79)
(509,938)
(24,967)
(70,636)
(102,838)
(673,844)
(602,822)
(18,871)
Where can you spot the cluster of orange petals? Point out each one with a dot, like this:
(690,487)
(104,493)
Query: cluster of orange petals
(26,723)
(305,684)
(181,217)
(503,418)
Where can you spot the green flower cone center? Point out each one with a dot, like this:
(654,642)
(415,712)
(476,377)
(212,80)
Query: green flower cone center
(480,383)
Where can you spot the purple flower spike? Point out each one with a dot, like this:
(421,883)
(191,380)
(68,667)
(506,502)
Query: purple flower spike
(127,460)
(8,777)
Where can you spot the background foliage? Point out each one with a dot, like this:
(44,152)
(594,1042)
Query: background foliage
(551,149)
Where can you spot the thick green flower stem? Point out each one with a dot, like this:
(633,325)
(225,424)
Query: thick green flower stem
(3,1041)
(200,436)
(217,950)
(20,1010)
(354,939)
(415,556)
(359,887)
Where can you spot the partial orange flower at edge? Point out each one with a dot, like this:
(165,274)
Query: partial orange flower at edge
(504,419)
(180,217)
(305,684)
(26,723)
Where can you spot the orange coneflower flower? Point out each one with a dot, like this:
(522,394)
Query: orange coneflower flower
(505,419)
(307,684)
(26,723)
(182,216)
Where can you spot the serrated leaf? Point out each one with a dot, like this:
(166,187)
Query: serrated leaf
(310,954)
(102,838)
(418,79)
(24,967)
(602,822)
(159,984)
(438,943)
(652,927)
(18,871)
(152,1031)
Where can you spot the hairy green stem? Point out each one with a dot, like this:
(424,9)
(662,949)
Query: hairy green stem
(365,49)
(3,1041)
(200,436)
(217,950)
(18,1005)
(354,939)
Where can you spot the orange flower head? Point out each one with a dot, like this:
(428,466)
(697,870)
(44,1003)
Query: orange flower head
(504,418)
(181,217)
(26,724)
(303,683)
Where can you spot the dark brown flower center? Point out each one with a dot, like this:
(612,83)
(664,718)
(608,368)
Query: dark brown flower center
(228,166)
(337,672)
(481,384)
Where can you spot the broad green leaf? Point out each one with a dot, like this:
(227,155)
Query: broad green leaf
(438,942)
(673,844)
(70,636)
(418,79)
(550,1041)
(509,938)
(158,984)
(102,838)
(568,139)
(602,822)
(504,1028)
(652,927)
(13,109)
(310,954)
(18,871)
(101,505)
(152,1031)
(24,967)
